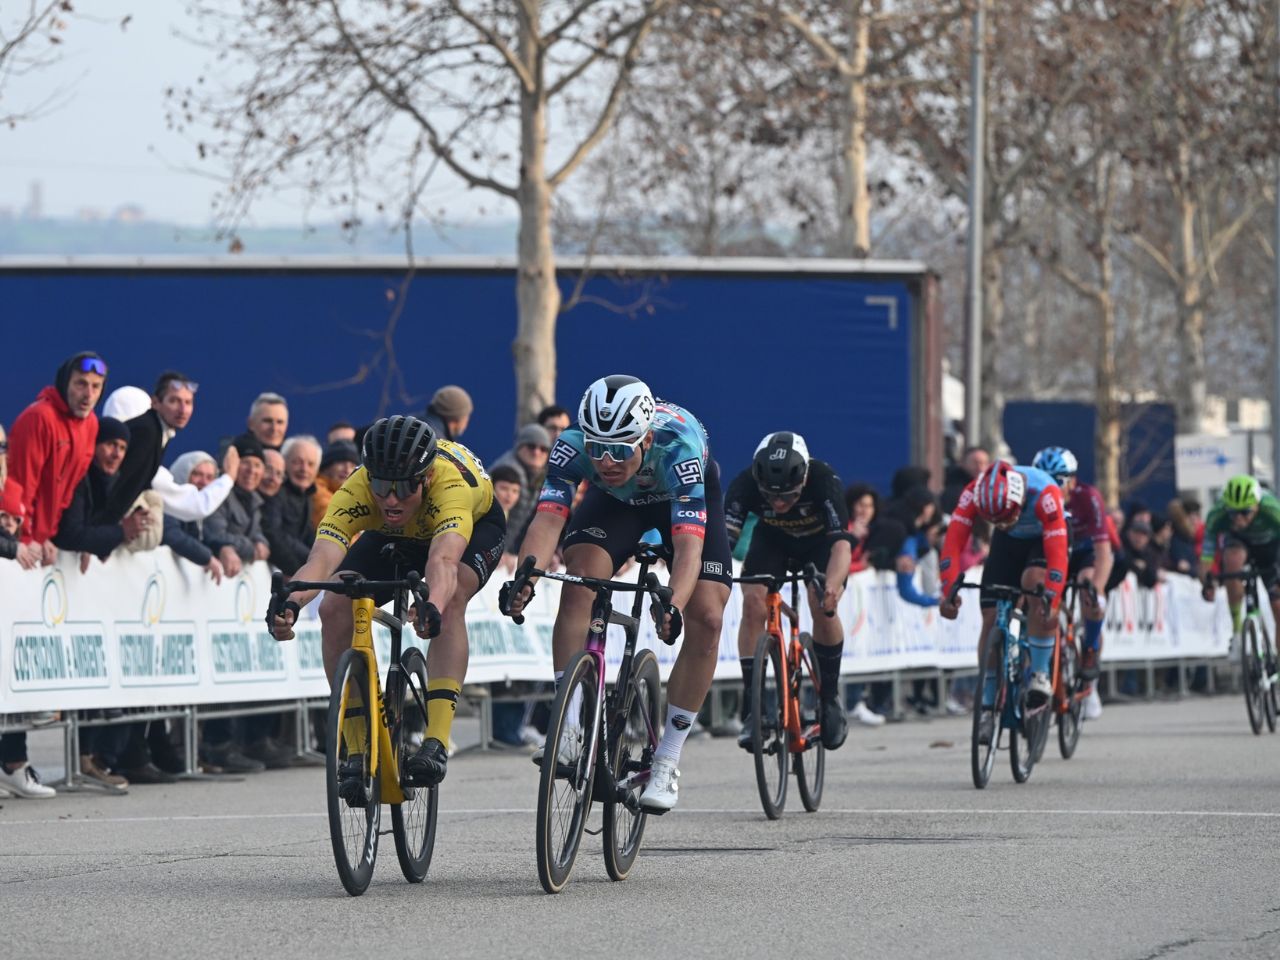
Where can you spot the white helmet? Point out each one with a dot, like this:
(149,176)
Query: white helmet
(616,409)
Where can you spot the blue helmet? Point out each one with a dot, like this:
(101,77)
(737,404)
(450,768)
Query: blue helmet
(1057,462)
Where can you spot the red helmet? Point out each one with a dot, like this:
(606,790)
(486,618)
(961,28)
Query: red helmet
(999,492)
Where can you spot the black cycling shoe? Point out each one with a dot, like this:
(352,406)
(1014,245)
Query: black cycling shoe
(351,782)
(427,767)
(835,725)
(747,738)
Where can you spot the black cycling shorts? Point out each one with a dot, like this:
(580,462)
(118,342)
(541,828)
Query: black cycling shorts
(1263,557)
(775,554)
(1081,560)
(484,549)
(616,527)
(1008,558)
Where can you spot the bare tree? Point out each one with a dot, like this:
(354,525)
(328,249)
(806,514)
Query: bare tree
(345,97)
(30,35)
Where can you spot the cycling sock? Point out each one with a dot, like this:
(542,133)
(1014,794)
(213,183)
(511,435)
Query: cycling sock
(1041,653)
(679,723)
(748,665)
(1237,618)
(442,700)
(829,668)
(1093,635)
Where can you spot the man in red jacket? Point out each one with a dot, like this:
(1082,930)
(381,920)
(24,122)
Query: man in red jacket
(51,446)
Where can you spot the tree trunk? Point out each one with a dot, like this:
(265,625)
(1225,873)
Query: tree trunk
(855,201)
(1191,395)
(1109,437)
(537,295)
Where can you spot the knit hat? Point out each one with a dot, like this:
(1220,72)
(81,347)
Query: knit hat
(452,402)
(534,434)
(183,466)
(125,403)
(338,452)
(11,499)
(247,445)
(109,428)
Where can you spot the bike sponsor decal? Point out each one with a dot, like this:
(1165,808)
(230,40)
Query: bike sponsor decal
(597,626)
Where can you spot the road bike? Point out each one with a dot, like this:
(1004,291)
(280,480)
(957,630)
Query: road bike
(599,745)
(1005,661)
(1069,688)
(785,696)
(371,732)
(1258,675)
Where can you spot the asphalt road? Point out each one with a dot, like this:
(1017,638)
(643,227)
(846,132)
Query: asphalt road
(1159,839)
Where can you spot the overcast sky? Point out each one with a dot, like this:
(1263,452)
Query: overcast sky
(107,144)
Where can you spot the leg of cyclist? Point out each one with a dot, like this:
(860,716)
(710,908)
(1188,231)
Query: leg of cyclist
(828,637)
(1234,558)
(752,625)
(1093,611)
(1041,629)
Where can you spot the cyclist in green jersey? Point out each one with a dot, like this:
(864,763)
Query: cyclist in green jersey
(1243,526)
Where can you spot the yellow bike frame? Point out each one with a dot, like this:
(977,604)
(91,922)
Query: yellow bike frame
(364,613)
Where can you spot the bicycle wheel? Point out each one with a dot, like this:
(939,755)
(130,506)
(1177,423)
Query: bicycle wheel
(811,764)
(565,784)
(632,754)
(1028,730)
(983,756)
(1273,694)
(772,741)
(413,822)
(354,819)
(1251,674)
(1069,719)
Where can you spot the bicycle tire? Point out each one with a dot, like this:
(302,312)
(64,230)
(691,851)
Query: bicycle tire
(623,827)
(353,830)
(565,788)
(1069,719)
(413,822)
(1251,674)
(1273,694)
(1026,732)
(771,739)
(983,756)
(811,763)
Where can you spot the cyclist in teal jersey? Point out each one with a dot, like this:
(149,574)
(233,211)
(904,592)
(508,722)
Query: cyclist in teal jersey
(1243,526)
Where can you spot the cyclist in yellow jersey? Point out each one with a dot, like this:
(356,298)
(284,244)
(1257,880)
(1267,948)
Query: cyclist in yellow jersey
(436,497)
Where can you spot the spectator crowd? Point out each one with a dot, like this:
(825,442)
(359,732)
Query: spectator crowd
(94,485)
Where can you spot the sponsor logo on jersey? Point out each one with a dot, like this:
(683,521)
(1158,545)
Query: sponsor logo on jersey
(596,532)
(354,512)
(692,515)
(553,492)
(688,472)
(1050,504)
(713,567)
(562,453)
(644,499)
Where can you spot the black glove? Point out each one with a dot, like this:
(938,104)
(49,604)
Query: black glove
(505,596)
(677,621)
(274,611)
(429,618)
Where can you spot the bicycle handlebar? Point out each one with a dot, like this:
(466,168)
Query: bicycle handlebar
(527,571)
(351,585)
(810,576)
(1001,591)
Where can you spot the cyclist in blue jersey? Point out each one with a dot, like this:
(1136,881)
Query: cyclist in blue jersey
(648,466)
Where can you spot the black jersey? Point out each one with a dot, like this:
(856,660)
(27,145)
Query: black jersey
(819,511)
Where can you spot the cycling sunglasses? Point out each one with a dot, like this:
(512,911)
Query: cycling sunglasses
(617,452)
(403,489)
(782,494)
(1241,513)
(93,365)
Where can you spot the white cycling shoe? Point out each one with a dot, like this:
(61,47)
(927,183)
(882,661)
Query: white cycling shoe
(662,790)
(1039,690)
(1092,706)
(569,749)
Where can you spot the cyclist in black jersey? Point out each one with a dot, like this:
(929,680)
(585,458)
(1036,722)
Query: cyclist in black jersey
(802,516)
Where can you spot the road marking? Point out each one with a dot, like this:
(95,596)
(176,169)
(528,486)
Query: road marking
(724,811)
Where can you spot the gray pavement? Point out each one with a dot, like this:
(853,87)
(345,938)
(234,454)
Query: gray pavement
(1158,840)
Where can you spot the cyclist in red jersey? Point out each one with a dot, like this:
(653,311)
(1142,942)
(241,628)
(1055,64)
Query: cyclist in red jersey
(1028,546)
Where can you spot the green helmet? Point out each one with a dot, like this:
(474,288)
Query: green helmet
(1241,493)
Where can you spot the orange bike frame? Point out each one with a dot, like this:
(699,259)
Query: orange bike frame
(789,662)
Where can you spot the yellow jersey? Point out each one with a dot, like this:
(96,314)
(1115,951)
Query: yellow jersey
(457,493)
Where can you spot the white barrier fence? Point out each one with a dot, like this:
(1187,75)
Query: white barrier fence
(148,628)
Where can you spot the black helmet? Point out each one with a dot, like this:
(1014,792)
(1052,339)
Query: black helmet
(781,463)
(398,448)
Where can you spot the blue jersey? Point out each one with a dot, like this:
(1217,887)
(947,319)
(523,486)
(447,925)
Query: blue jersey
(674,469)
(1031,521)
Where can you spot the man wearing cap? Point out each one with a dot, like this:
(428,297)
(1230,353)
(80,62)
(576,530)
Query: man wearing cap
(52,445)
(87,528)
(529,458)
(449,412)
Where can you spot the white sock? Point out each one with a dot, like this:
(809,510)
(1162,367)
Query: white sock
(679,723)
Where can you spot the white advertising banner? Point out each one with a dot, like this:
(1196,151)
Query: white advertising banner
(149,629)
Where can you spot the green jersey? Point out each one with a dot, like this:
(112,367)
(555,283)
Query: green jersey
(1263,529)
